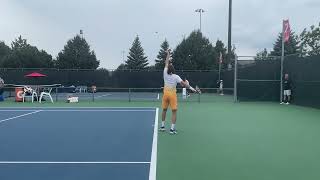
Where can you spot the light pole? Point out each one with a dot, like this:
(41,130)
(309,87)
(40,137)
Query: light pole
(229,31)
(200,11)
(123,52)
(81,33)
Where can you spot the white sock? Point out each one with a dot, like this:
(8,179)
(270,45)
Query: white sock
(162,123)
(173,126)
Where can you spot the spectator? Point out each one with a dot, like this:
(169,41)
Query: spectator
(287,87)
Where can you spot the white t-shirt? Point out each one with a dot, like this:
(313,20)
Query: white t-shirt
(170,80)
(221,85)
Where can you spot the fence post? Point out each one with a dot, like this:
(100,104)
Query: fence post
(235,81)
(129,94)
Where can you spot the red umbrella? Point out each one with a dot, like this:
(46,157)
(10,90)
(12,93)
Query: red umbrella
(35,74)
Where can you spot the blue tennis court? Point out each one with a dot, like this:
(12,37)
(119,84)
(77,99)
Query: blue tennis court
(78,143)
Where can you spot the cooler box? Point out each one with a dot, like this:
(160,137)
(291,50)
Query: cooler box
(19,92)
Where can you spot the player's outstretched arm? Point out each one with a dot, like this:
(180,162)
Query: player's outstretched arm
(187,85)
(167,58)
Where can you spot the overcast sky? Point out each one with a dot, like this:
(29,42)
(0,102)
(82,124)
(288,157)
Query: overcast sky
(110,26)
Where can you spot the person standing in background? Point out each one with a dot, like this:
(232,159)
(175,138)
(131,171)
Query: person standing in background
(287,90)
(220,87)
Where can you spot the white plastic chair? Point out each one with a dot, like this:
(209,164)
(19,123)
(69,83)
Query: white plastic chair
(29,93)
(46,93)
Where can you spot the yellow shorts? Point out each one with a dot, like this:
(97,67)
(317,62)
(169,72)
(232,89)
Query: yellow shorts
(169,98)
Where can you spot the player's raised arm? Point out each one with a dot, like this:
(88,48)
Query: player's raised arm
(167,59)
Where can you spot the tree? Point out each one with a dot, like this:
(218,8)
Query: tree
(4,51)
(291,47)
(122,67)
(136,59)
(161,57)
(195,53)
(262,55)
(23,55)
(153,68)
(220,48)
(310,41)
(77,55)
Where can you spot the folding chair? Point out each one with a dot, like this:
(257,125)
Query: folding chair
(28,92)
(46,93)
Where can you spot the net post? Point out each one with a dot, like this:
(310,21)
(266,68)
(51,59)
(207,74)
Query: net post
(235,81)
(56,94)
(129,94)
(92,95)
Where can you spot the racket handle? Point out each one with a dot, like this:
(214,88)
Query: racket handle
(192,89)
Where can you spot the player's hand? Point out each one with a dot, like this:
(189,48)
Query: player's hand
(187,83)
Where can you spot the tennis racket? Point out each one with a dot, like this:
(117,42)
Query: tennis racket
(198,90)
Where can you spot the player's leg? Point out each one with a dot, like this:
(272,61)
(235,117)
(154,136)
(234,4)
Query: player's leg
(284,97)
(288,96)
(164,114)
(173,122)
(174,107)
(165,104)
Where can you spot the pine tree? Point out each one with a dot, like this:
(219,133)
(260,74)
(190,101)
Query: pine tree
(195,53)
(290,47)
(77,55)
(162,55)
(136,59)
(4,51)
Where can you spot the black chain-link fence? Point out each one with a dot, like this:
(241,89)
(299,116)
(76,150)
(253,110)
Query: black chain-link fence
(259,79)
(113,79)
(305,76)
(123,85)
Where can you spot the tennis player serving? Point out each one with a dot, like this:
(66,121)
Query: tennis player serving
(169,93)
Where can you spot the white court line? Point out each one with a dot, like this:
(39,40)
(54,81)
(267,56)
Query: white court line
(17,110)
(70,162)
(15,117)
(158,96)
(77,107)
(97,110)
(83,110)
(153,165)
(102,95)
